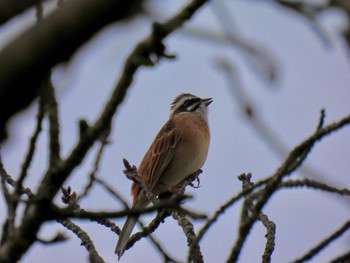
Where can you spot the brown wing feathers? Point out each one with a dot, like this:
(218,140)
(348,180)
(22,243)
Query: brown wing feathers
(157,157)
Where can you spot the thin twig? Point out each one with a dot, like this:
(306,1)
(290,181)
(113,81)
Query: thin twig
(54,213)
(269,225)
(51,106)
(71,199)
(322,119)
(92,175)
(345,258)
(167,258)
(32,143)
(292,162)
(11,201)
(112,191)
(9,223)
(4,181)
(161,216)
(315,185)
(146,230)
(259,57)
(59,237)
(309,12)
(27,161)
(263,129)
(10,181)
(314,251)
(86,241)
(195,254)
(222,209)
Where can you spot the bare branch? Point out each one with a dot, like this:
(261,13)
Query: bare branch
(315,185)
(314,251)
(33,140)
(342,258)
(59,237)
(263,129)
(71,24)
(146,230)
(269,225)
(56,213)
(25,234)
(322,118)
(92,175)
(52,109)
(310,12)
(9,180)
(167,258)
(292,162)
(112,191)
(9,223)
(161,216)
(4,181)
(195,254)
(222,209)
(9,9)
(11,201)
(70,198)
(86,241)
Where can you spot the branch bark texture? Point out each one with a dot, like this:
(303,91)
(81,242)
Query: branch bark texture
(29,58)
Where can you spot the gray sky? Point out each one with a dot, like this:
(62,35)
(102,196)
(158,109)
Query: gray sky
(312,76)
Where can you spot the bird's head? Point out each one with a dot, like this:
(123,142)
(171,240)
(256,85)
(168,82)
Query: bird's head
(186,102)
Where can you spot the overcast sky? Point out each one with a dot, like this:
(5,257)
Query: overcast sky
(311,76)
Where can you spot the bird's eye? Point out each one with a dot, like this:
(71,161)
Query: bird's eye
(187,103)
(190,102)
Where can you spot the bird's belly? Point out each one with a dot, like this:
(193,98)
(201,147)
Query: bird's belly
(184,164)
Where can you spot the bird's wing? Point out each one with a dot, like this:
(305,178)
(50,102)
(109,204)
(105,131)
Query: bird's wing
(160,154)
(156,160)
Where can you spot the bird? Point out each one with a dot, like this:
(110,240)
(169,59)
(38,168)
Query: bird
(179,150)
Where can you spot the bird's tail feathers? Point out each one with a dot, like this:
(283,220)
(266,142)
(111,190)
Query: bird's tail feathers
(125,234)
(129,226)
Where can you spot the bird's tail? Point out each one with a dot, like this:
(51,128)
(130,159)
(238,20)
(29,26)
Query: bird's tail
(125,234)
(129,225)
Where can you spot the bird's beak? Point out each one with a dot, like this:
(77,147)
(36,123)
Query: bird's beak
(207,101)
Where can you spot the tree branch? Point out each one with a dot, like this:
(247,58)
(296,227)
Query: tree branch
(268,224)
(315,185)
(55,213)
(314,251)
(51,107)
(28,59)
(24,236)
(292,162)
(9,8)
(221,210)
(32,143)
(86,241)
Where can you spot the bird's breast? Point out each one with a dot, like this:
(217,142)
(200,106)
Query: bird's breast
(191,152)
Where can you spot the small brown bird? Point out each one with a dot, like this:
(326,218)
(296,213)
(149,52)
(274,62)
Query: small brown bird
(178,151)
